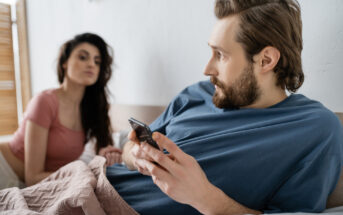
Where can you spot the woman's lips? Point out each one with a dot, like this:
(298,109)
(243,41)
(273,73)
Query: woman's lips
(89,73)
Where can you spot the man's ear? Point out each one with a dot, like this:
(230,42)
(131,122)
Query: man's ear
(269,58)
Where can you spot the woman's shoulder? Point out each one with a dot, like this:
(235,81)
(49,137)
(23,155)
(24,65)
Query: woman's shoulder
(48,92)
(48,95)
(42,108)
(46,99)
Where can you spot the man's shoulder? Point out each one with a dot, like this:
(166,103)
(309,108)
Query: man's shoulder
(201,86)
(195,95)
(328,120)
(202,90)
(318,112)
(324,122)
(310,114)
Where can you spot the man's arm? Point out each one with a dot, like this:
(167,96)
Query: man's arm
(180,176)
(127,155)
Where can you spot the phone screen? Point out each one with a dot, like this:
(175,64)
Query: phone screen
(143,132)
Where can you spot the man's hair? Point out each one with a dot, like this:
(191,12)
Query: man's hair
(275,23)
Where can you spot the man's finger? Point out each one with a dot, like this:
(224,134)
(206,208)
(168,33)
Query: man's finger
(157,172)
(132,136)
(160,158)
(169,145)
(141,166)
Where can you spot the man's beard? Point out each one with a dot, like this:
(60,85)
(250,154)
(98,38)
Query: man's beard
(243,92)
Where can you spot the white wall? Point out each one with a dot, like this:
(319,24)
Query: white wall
(161,45)
(323,51)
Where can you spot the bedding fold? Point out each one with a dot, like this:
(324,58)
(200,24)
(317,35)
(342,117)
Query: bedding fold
(76,188)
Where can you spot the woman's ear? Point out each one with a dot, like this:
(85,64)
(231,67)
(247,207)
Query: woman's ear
(269,58)
(64,66)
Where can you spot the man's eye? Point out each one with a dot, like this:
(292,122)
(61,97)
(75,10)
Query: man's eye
(218,55)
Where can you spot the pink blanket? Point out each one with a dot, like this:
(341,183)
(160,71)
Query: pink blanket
(76,188)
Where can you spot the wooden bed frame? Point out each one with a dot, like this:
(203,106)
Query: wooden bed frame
(340,116)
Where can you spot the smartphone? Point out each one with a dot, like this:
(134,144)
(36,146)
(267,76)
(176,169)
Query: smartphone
(143,132)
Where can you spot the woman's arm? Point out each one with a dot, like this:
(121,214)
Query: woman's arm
(36,141)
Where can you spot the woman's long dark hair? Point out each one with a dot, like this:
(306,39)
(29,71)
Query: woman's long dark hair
(94,105)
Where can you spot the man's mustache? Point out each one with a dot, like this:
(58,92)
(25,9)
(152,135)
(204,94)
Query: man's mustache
(215,81)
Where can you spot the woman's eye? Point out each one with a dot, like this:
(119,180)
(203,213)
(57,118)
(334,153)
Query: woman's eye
(82,57)
(97,62)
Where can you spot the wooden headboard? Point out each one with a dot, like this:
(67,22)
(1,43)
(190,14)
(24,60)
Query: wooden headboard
(120,113)
(340,116)
(335,199)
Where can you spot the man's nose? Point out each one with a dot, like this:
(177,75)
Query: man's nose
(210,70)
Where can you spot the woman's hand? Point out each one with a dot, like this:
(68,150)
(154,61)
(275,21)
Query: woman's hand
(112,155)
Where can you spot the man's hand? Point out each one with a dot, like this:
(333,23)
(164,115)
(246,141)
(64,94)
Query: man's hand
(180,176)
(112,155)
(177,174)
(132,152)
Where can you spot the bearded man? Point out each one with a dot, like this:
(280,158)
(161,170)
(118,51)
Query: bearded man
(238,143)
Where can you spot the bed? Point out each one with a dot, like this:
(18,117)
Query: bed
(81,188)
(120,113)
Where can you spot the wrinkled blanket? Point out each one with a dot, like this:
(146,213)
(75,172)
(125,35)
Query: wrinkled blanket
(76,188)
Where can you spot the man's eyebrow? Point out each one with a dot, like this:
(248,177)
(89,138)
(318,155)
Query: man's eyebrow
(217,48)
(87,53)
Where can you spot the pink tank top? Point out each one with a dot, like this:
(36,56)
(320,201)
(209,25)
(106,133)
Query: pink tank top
(64,144)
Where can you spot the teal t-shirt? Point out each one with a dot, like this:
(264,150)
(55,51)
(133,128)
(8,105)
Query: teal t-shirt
(284,158)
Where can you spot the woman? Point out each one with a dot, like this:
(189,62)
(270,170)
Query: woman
(58,122)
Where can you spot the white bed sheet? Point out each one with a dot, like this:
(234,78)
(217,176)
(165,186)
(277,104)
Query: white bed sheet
(331,211)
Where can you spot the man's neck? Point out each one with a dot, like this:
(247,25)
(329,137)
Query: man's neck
(268,99)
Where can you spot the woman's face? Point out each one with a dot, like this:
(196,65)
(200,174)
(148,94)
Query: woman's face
(83,65)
